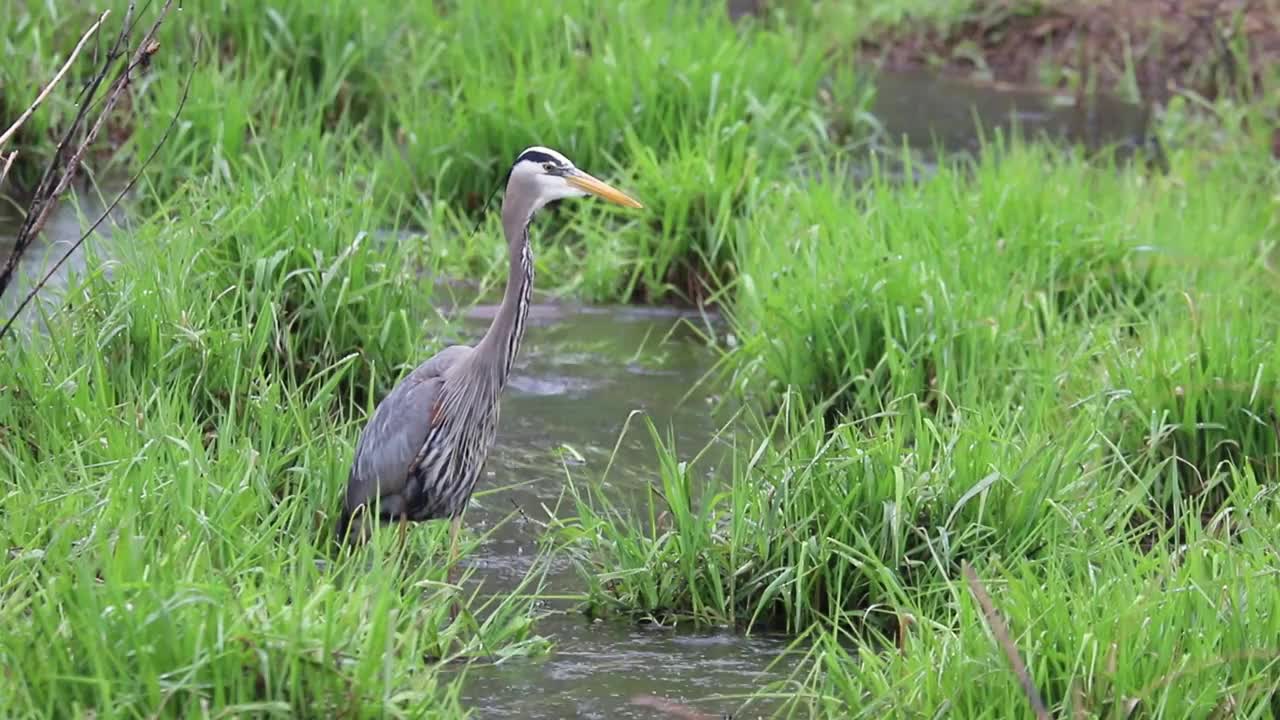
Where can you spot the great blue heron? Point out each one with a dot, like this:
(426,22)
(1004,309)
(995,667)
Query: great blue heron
(420,454)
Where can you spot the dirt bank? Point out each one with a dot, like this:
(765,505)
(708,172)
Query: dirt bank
(1146,49)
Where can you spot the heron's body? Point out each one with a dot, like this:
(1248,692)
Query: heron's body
(425,446)
(417,450)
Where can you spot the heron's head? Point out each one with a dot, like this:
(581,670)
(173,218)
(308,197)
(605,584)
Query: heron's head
(543,175)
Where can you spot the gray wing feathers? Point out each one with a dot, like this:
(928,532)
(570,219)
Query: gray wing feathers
(395,434)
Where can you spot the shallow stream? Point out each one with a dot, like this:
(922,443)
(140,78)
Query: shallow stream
(582,371)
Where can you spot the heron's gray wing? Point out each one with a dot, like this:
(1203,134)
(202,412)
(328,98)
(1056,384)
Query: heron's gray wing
(394,435)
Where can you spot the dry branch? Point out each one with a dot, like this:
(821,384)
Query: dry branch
(8,162)
(31,295)
(998,628)
(141,56)
(52,83)
(69,155)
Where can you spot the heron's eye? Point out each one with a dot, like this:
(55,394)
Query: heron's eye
(549,167)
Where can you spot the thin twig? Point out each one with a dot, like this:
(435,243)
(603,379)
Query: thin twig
(8,161)
(45,197)
(46,194)
(173,121)
(56,79)
(141,55)
(998,628)
(84,104)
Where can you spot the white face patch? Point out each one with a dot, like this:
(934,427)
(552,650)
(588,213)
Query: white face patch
(539,172)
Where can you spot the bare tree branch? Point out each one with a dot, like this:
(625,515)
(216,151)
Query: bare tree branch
(56,79)
(146,48)
(70,153)
(66,161)
(52,171)
(44,194)
(173,121)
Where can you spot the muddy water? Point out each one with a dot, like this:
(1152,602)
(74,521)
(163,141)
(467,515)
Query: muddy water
(581,373)
(925,107)
(939,116)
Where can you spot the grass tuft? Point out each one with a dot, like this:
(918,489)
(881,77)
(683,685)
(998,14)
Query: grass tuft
(836,527)
(1094,629)
(1199,400)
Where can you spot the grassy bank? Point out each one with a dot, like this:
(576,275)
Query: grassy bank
(1186,629)
(434,100)
(175,450)
(175,446)
(1062,372)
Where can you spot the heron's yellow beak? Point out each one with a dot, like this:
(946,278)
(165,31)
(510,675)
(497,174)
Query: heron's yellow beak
(586,183)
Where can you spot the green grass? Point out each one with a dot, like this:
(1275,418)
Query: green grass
(1061,370)
(175,451)
(1185,630)
(832,528)
(176,445)
(982,282)
(1034,363)
(438,98)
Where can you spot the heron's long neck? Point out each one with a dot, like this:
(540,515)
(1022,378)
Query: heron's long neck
(496,352)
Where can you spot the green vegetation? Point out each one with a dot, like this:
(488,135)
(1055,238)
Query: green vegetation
(1060,370)
(176,449)
(1185,629)
(436,99)
(1030,362)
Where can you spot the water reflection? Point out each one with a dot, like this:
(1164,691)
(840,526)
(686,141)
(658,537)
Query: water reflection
(925,108)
